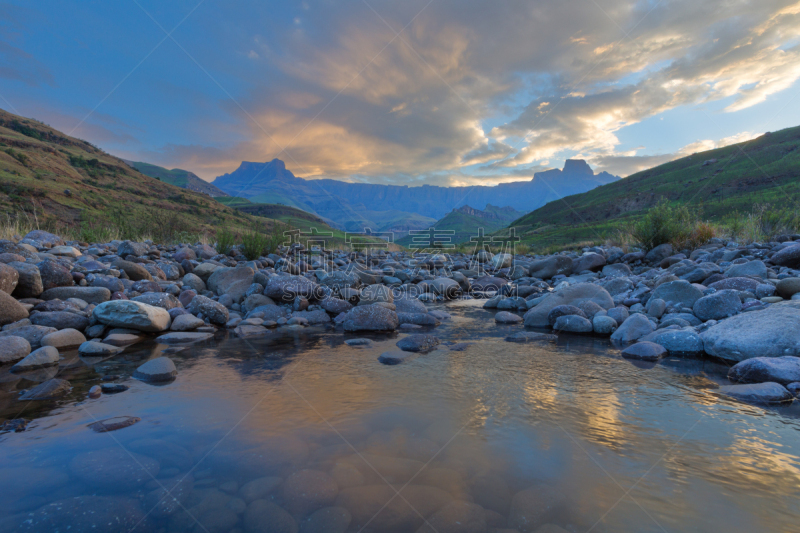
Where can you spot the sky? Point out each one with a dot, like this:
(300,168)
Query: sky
(444,92)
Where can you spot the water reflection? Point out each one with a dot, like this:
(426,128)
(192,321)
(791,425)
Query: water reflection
(300,432)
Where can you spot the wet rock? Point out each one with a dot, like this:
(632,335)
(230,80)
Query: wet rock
(635,327)
(680,291)
(488,283)
(371,318)
(263,516)
(358,342)
(308,490)
(456,517)
(43,357)
(551,266)
(794,388)
(645,351)
(97,349)
(760,393)
(394,357)
(32,334)
(327,520)
(772,332)
(504,317)
(529,336)
(49,390)
(573,324)
(60,320)
(680,342)
(572,295)
(418,319)
(181,337)
(133,315)
(186,322)
(157,370)
(64,339)
(246,331)
(718,305)
(445,287)
(533,507)
(604,325)
(335,305)
(113,388)
(159,299)
(783,370)
(287,288)
(109,514)
(563,310)
(10,309)
(418,343)
(259,489)
(215,312)
(113,424)
(372,514)
(29,284)
(269,312)
(12,349)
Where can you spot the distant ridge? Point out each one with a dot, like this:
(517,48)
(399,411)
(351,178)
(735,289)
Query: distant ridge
(178,177)
(358,205)
(465,222)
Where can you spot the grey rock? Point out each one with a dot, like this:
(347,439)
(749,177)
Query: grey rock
(788,257)
(373,294)
(215,312)
(750,269)
(771,332)
(184,337)
(590,261)
(787,287)
(44,237)
(60,320)
(133,315)
(659,253)
(394,357)
(336,305)
(645,351)
(194,281)
(231,281)
(551,266)
(186,322)
(563,310)
(679,342)
(760,393)
(620,314)
(286,288)
(54,274)
(371,318)
(92,295)
(12,349)
(255,300)
(43,357)
(530,336)
(572,295)
(604,325)
(718,305)
(783,370)
(504,317)
(29,284)
(134,271)
(635,327)
(64,339)
(418,343)
(163,300)
(132,248)
(98,349)
(157,370)
(339,279)
(10,309)
(617,270)
(33,334)
(418,319)
(49,390)
(679,291)
(573,324)
(739,284)
(445,287)
(269,312)
(8,278)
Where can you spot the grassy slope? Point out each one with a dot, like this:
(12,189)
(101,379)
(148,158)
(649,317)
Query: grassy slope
(464,226)
(38,164)
(762,171)
(176,176)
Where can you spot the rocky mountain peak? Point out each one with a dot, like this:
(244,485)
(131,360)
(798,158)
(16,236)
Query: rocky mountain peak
(577,166)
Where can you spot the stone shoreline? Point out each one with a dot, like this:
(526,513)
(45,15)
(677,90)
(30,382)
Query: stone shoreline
(736,303)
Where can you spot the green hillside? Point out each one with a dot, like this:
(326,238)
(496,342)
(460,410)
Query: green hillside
(466,222)
(719,184)
(178,177)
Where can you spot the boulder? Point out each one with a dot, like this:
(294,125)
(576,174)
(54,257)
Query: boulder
(488,283)
(718,305)
(680,291)
(133,315)
(287,288)
(446,287)
(659,253)
(98,349)
(788,287)
(760,393)
(604,325)
(336,305)
(590,261)
(783,370)
(551,266)
(372,294)
(563,310)
(645,351)
(8,278)
(679,341)
(10,309)
(739,284)
(186,322)
(164,300)
(60,320)
(91,295)
(572,295)
(43,357)
(54,274)
(232,281)
(269,312)
(132,248)
(371,318)
(634,328)
(530,336)
(194,281)
(771,332)
(573,324)
(157,370)
(29,284)
(215,312)
(339,279)
(502,261)
(504,317)
(12,349)
(750,269)
(64,339)
(788,257)
(420,343)
(184,337)
(134,271)
(32,334)
(44,237)
(617,270)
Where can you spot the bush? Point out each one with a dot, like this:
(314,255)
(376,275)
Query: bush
(663,224)
(254,244)
(226,240)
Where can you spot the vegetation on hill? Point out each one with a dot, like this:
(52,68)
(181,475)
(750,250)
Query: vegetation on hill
(751,186)
(178,177)
(465,222)
(56,182)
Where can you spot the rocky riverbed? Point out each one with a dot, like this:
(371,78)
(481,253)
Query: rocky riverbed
(68,305)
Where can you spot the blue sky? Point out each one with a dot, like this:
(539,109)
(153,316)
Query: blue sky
(441,92)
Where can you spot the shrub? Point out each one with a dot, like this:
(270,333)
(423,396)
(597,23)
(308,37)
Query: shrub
(226,240)
(254,244)
(663,224)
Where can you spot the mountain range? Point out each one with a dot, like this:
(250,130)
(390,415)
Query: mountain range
(355,206)
(464,222)
(178,177)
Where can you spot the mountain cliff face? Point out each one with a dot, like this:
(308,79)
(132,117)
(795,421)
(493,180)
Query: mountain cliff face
(346,202)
